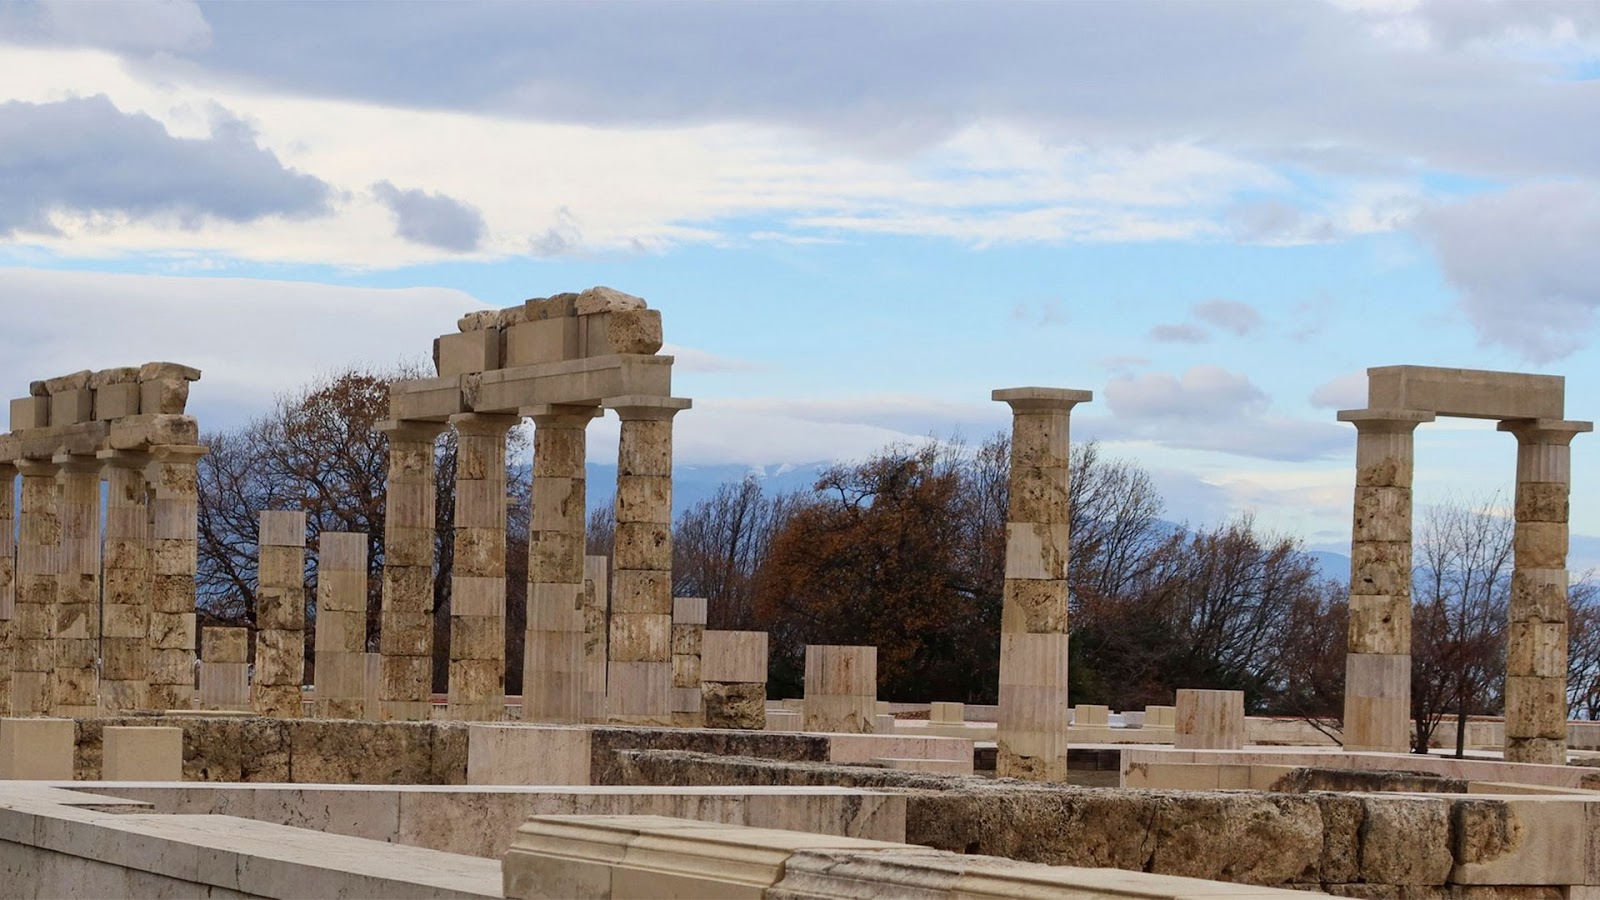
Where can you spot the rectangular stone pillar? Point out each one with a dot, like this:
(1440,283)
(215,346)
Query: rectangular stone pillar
(125,633)
(341,625)
(841,688)
(225,668)
(8,594)
(77,679)
(478,580)
(639,678)
(1032,726)
(281,614)
(405,629)
(688,632)
(38,544)
(596,624)
(1536,641)
(733,679)
(174,507)
(141,753)
(553,659)
(1377,692)
(1209,720)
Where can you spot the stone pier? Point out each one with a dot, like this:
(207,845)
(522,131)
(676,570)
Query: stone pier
(38,545)
(688,634)
(553,661)
(1209,720)
(8,595)
(174,556)
(841,688)
(405,631)
(640,649)
(478,580)
(1033,715)
(733,679)
(77,678)
(341,629)
(225,668)
(125,633)
(281,614)
(1377,699)
(1536,651)
(596,610)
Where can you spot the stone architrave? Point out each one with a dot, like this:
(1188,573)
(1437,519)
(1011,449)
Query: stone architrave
(478,580)
(341,627)
(125,633)
(1377,699)
(553,658)
(688,634)
(8,604)
(77,640)
(639,679)
(1033,714)
(405,628)
(174,505)
(733,679)
(596,611)
(225,668)
(281,614)
(1536,641)
(38,544)
(841,688)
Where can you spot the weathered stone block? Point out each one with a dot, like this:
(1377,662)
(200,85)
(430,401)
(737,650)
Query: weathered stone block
(1034,606)
(1542,501)
(1039,494)
(1381,568)
(1540,545)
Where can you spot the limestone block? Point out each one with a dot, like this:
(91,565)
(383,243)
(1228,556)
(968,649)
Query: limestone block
(638,692)
(643,546)
(1381,568)
(640,638)
(478,320)
(1209,720)
(1160,716)
(72,407)
(1034,606)
(466,352)
(1039,494)
(477,637)
(36,749)
(1378,702)
(1539,594)
(685,669)
(635,331)
(1468,393)
(280,657)
(688,611)
(477,596)
(1540,545)
(279,701)
(144,753)
(1036,551)
(1382,513)
(224,685)
(648,451)
(733,656)
(601,299)
(541,341)
(1536,707)
(163,396)
(30,412)
(947,713)
(148,429)
(73,382)
(114,401)
(1379,624)
(406,633)
(1537,648)
(1041,439)
(1542,501)
(782,720)
(556,306)
(1094,714)
(172,631)
(842,670)
(642,591)
(734,704)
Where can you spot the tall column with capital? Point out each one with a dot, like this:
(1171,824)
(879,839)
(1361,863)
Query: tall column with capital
(8,594)
(125,643)
(1536,642)
(1377,682)
(77,636)
(174,554)
(552,671)
(639,681)
(1032,727)
(478,579)
(405,628)
(38,544)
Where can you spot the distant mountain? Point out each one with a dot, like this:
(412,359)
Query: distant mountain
(1333,566)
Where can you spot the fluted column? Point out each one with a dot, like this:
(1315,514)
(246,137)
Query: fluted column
(8,594)
(639,651)
(174,530)
(38,545)
(405,628)
(552,670)
(1377,685)
(1032,728)
(77,678)
(478,579)
(1536,642)
(125,643)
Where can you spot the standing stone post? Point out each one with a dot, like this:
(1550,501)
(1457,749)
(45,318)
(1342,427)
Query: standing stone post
(38,543)
(77,680)
(478,580)
(341,625)
(1377,692)
(688,634)
(596,613)
(640,648)
(1536,642)
(405,628)
(281,614)
(1209,720)
(174,508)
(225,668)
(553,658)
(841,688)
(8,596)
(1033,716)
(733,679)
(125,642)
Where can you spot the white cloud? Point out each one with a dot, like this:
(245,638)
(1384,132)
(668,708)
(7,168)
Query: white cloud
(1229,315)
(1348,391)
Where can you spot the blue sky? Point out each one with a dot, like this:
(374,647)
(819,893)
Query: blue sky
(857,219)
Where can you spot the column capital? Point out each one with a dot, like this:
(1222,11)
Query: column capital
(570,415)
(125,459)
(1385,421)
(1544,431)
(33,468)
(635,406)
(487,424)
(178,453)
(1041,399)
(78,463)
(410,429)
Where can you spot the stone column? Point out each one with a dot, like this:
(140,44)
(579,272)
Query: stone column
(125,643)
(552,669)
(8,596)
(733,679)
(77,679)
(639,677)
(1377,686)
(1032,727)
(1536,642)
(596,616)
(341,625)
(688,634)
(478,580)
(38,545)
(225,668)
(841,689)
(405,629)
(174,529)
(281,614)
(1209,720)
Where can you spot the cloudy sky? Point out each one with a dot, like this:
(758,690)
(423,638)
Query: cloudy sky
(857,218)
